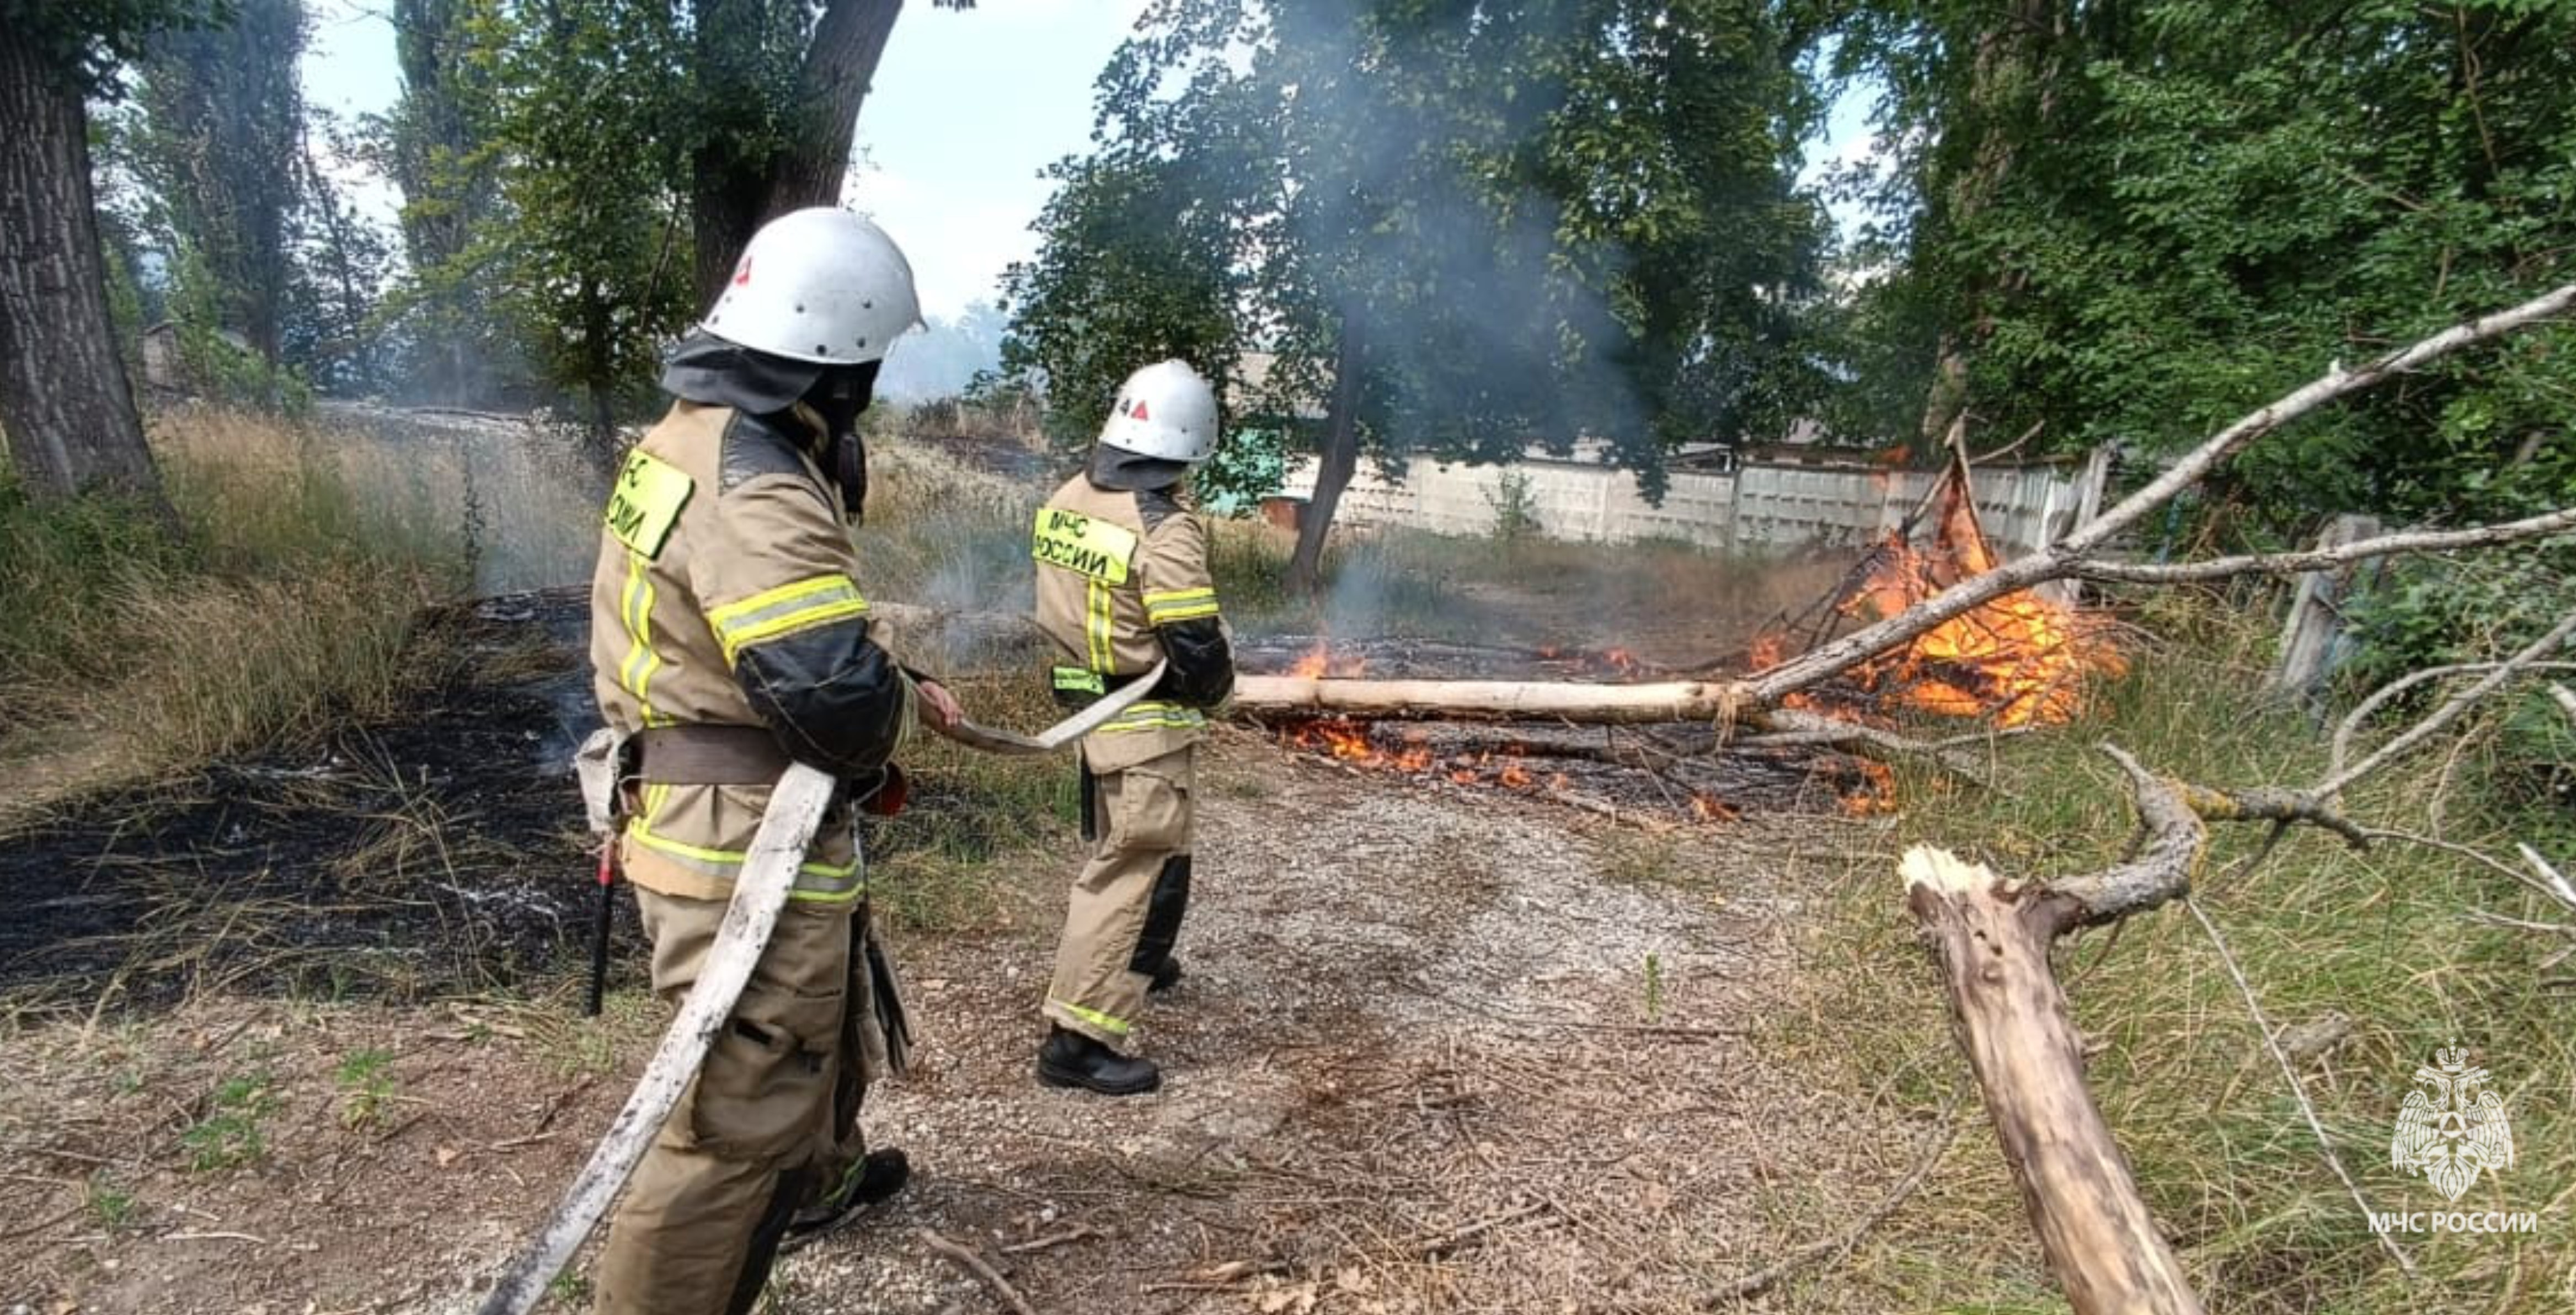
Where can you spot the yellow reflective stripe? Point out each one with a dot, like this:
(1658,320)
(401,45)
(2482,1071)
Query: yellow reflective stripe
(1166,615)
(814,881)
(807,603)
(636,612)
(1156,715)
(1096,597)
(1105,1022)
(1179,605)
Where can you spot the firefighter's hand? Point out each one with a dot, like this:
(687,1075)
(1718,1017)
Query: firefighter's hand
(933,703)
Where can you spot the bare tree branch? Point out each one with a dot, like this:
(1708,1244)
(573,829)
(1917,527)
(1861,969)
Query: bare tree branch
(2071,553)
(2268,804)
(2361,711)
(2462,851)
(2448,712)
(2337,382)
(975,1265)
(2558,887)
(1792,727)
(2318,559)
(2161,872)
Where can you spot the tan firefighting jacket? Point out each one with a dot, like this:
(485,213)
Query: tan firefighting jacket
(1120,575)
(725,595)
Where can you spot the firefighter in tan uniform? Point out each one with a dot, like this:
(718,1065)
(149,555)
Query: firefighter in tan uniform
(1122,583)
(729,637)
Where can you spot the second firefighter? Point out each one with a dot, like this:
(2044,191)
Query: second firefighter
(1123,583)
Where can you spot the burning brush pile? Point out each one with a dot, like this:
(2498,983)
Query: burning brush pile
(2020,660)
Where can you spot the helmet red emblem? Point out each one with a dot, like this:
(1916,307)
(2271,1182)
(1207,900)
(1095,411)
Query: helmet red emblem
(1139,412)
(742,272)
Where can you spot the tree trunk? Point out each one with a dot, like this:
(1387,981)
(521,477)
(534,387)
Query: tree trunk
(839,67)
(601,367)
(1335,464)
(64,398)
(734,191)
(1490,700)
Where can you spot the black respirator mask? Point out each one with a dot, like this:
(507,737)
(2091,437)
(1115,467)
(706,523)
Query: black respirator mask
(838,396)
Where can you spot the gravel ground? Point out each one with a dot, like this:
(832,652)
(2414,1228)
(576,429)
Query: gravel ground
(1436,1051)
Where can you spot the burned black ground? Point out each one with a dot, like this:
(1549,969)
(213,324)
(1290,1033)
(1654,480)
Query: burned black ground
(436,852)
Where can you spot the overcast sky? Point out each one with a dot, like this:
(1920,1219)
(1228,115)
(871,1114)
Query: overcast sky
(968,107)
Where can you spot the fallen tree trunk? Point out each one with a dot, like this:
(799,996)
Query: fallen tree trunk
(1488,700)
(1991,937)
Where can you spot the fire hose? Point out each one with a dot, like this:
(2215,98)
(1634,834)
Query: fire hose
(796,808)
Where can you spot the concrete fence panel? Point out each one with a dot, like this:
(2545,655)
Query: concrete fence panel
(1762,505)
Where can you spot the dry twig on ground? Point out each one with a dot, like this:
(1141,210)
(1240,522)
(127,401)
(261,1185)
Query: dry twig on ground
(975,1265)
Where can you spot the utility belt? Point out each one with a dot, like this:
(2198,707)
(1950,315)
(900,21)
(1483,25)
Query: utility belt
(708,754)
(716,753)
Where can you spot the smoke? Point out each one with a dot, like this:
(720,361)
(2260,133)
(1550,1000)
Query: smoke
(1428,220)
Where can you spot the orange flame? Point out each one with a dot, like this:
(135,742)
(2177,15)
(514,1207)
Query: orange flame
(1877,793)
(1318,662)
(1349,742)
(1708,808)
(2019,659)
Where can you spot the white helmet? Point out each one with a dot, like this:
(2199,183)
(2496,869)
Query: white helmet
(818,285)
(1164,410)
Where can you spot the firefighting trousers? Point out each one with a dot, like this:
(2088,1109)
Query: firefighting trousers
(770,1123)
(1124,914)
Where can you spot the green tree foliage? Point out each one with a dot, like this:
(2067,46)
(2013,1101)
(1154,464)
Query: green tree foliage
(2136,222)
(1454,228)
(87,40)
(221,135)
(579,175)
(439,147)
(586,269)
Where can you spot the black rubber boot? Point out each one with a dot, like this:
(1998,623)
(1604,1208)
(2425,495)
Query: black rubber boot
(873,1179)
(1070,1059)
(1166,976)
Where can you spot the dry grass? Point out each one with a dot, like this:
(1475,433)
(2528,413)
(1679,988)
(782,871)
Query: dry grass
(942,535)
(2224,1157)
(285,606)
